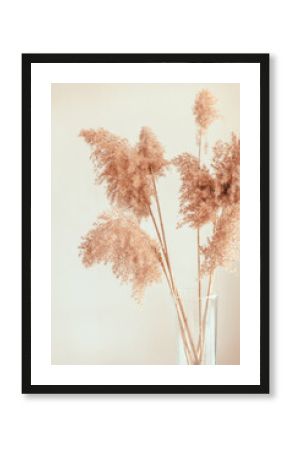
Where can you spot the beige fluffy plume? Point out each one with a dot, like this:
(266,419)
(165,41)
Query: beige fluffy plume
(127,170)
(118,239)
(197,195)
(223,247)
(204,109)
(226,164)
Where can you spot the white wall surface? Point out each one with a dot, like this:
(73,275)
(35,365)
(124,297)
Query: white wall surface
(108,422)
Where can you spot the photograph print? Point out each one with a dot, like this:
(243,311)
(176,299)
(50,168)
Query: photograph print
(150,217)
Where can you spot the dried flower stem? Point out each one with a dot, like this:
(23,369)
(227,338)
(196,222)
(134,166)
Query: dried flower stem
(171,287)
(199,147)
(198,258)
(162,227)
(201,339)
(185,343)
(188,353)
(204,318)
(166,256)
(187,327)
(161,243)
(199,283)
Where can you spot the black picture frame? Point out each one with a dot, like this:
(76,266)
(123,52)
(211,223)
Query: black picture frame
(263,61)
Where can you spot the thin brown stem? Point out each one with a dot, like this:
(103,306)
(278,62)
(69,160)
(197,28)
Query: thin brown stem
(166,256)
(166,275)
(198,261)
(187,350)
(205,317)
(199,146)
(157,229)
(207,301)
(185,344)
(186,340)
(199,282)
(162,227)
(186,326)
(162,248)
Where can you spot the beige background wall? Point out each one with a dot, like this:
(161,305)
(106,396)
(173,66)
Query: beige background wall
(94,318)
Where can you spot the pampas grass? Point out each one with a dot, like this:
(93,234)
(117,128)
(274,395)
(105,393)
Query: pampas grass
(130,174)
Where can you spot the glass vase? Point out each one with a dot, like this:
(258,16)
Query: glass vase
(209,333)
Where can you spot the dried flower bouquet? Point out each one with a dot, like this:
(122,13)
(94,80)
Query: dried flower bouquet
(207,195)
